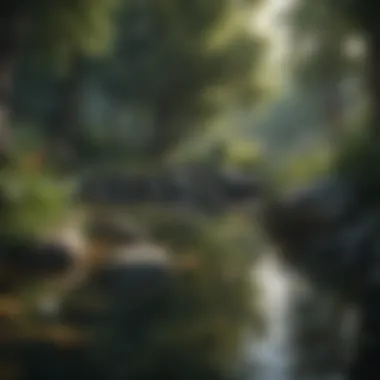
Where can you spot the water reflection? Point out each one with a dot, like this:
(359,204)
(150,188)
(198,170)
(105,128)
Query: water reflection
(273,354)
(293,310)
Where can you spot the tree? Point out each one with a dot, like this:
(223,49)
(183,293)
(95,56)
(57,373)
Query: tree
(321,39)
(60,30)
(173,61)
(364,16)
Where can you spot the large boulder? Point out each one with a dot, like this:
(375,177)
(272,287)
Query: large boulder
(25,260)
(326,231)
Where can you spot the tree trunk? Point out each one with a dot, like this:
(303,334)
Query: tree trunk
(168,129)
(63,131)
(374,80)
(366,365)
(334,111)
(162,134)
(12,33)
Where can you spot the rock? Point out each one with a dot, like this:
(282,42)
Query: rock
(23,261)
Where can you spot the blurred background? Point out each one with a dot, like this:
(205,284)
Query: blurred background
(139,139)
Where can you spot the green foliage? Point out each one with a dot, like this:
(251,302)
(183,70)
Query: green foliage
(223,153)
(35,200)
(202,150)
(298,170)
(62,30)
(180,66)
(320,36)
(245,155)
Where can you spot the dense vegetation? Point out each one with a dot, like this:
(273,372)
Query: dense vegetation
(149,89)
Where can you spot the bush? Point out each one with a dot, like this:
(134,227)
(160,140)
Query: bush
(34,199)
(299,170)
